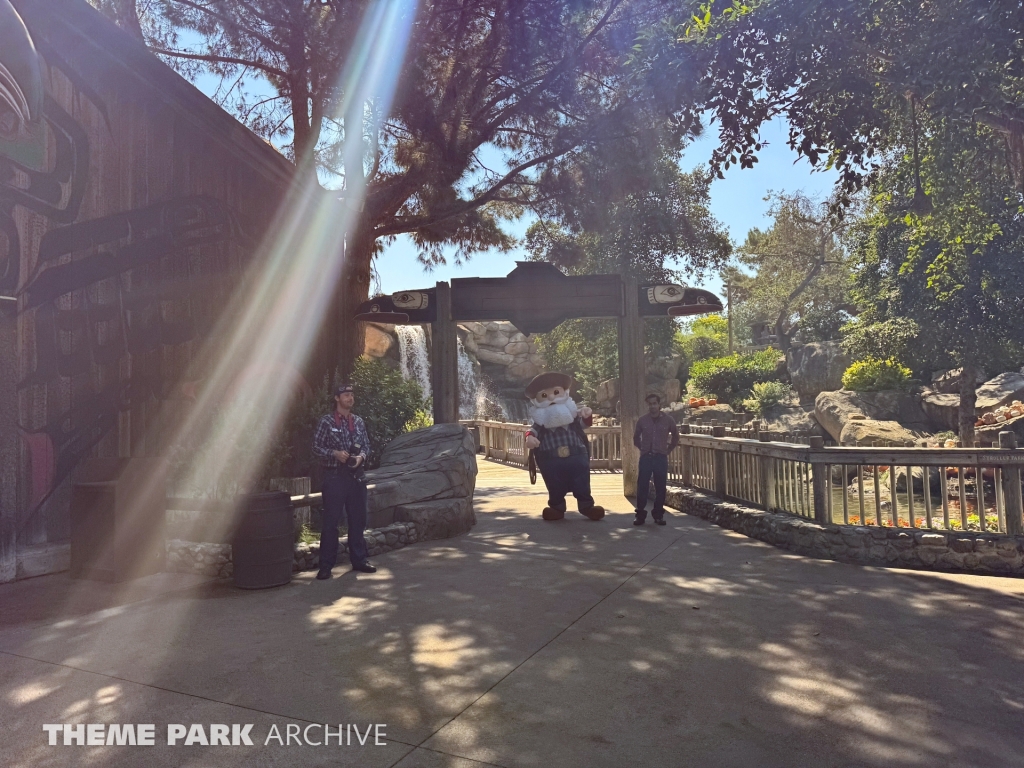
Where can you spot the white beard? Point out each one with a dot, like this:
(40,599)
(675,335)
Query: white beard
(555,415)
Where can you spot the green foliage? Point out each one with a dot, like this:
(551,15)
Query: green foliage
(874,375)
(588,350)
(704,338)
(799,273)
(766,394)
(732,378)
(422,418)
(387,403)
(885,339)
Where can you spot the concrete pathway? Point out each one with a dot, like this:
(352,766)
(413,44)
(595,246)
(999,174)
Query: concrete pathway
(527,643)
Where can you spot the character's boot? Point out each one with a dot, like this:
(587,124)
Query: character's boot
(552,513)
(593,512)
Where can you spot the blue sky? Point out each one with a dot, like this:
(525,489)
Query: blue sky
(737,201)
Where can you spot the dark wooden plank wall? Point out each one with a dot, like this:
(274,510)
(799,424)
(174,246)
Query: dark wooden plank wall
(151,138)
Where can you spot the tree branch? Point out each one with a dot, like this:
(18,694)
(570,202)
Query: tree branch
(214,59)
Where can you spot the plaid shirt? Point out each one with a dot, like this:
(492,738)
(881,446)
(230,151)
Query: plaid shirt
(330,437)
(553,439)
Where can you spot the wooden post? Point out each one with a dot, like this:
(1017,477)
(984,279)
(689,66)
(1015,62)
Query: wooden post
(766,475)
(684,429)
(719,461)
(9,447)
(632,374)
(818,471)
(1011,488)
(445,363)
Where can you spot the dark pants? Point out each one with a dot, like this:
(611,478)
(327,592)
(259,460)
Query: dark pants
(343,492)
(564,475)
(655,464)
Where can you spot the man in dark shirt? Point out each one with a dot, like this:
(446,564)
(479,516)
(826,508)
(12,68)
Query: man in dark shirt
(656,435)
(342,445)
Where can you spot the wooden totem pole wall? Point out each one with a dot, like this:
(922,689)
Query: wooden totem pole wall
(129,205)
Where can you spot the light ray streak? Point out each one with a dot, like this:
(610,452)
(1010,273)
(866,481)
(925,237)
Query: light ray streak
(271,321)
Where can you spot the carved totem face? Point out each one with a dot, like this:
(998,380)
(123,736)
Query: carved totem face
(410,300)
(665,294)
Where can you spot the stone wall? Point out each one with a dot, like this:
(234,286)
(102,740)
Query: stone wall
(899,547)
(208,559)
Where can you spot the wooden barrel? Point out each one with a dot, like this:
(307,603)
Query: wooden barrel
(261,552)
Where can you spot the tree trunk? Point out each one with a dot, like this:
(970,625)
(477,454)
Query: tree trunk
(354,290)
(968,398)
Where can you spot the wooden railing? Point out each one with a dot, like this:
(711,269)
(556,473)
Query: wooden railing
(506,442)
(941,488)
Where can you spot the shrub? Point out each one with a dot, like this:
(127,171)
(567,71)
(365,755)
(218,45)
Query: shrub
(732,378)
(873,375)
(387,403)
(705,338)
(766,394)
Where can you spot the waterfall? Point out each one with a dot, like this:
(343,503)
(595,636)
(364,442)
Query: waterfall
(412,351)
(472,390)
(475,397)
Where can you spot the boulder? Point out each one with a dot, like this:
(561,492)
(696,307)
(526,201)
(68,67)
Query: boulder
(948,382)
(661,368)
(816,367)
(793,418)
(426,465)
(870,431)
(607,391)
(667,389)
(377,341)
(941,409)
(834,409)
(1003,389)
(714,414)
(990,432)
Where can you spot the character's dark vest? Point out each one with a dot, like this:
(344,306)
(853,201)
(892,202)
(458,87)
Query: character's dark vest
(576,426)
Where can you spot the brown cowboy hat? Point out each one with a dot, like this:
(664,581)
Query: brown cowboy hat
(546,380)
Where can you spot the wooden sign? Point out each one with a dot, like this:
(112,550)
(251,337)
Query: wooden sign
(536,297)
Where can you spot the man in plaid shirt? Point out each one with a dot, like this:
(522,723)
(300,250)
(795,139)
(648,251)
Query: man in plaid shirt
(560,445)
(342,445)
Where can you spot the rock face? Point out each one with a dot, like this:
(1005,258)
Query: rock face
(990,432)
(793,418)
(660,378)
(431,471)
(507,357)
(713,414)
(668,390)
(948,382)
(1003,389)
(943,409)
(834,409)
(816,367)
(871,431)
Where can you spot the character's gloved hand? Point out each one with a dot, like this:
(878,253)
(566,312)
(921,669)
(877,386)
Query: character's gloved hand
(586,412)
(532,442)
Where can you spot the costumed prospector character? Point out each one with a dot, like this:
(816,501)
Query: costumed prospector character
(560,445)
